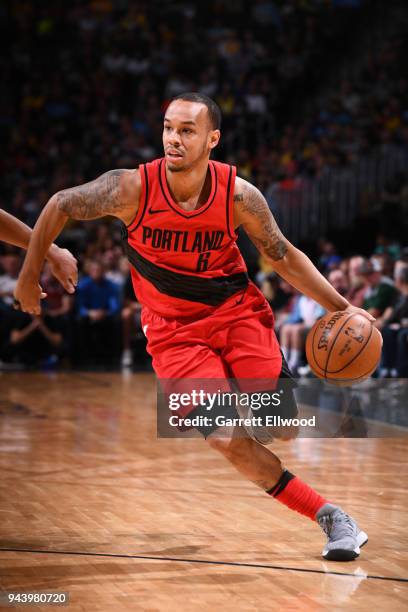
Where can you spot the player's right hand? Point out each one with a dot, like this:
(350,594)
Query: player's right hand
(360,311)
(28,294)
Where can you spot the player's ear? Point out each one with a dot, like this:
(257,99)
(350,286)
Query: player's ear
(214,138)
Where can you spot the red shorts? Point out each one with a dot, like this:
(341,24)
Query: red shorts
(236,341)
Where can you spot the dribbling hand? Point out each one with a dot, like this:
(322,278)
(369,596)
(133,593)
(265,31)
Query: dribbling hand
(360,311)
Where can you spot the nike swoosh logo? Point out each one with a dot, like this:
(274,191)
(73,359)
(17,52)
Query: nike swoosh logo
(153,212)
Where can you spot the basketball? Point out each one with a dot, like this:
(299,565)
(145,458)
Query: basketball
(343,347)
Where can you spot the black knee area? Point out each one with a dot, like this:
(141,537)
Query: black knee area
(228,412)
(281,403)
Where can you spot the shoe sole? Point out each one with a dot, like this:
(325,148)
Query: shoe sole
(342,554)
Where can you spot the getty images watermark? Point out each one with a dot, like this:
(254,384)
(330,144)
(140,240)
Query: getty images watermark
(186,404)
(227,399)
(287,408)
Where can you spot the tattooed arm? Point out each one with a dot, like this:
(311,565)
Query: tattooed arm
(252,212)
(113,193)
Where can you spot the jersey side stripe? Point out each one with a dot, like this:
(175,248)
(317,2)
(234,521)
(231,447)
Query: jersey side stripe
(211,291)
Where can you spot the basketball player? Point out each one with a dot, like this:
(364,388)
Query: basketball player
(201,315)
(62,263)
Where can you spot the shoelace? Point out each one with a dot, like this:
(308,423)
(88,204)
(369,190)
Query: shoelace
(345,528)
(325,523)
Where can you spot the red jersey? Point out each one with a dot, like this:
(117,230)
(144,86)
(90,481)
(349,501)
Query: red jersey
(185,263)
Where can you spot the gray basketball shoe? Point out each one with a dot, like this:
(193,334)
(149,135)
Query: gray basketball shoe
(344,537)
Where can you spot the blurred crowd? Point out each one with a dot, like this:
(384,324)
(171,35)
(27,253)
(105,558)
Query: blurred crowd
(100,326)
(379,284)
(91,96)
(86,84)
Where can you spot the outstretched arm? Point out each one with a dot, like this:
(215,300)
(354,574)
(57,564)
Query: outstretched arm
(14,231)
(114,193)
(63,264)
(252,212)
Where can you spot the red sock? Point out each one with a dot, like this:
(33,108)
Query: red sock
(297,495)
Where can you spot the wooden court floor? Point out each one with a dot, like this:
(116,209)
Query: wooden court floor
(92,503)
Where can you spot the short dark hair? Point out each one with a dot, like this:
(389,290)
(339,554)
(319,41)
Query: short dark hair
(214,112)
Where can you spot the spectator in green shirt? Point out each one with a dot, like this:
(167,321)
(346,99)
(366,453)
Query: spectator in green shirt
(380,291)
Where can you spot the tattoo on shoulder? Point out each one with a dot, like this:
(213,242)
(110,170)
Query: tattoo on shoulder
(239,197)
(267,236)
(94,199)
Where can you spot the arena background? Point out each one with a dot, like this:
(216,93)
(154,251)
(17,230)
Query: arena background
(315,113)
(316,119)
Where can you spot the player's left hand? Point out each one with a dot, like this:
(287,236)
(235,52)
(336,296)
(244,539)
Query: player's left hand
(64,267)
(28,295)
(360,311)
